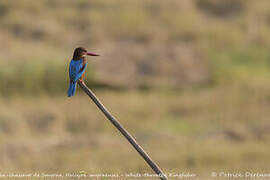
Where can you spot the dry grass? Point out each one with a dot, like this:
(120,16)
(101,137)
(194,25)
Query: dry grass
(157,44)
(198,131)
(197,73)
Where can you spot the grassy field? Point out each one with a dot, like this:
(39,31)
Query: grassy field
(189,79)
(157,44)
(189,131)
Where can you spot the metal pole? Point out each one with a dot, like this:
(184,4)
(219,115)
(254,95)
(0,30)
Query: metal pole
(132,141)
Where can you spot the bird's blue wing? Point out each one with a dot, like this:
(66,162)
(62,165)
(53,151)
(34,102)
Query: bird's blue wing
(73,70)
(81,71)
(76,69)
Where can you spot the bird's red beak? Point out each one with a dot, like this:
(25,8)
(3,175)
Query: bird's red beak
(92,54)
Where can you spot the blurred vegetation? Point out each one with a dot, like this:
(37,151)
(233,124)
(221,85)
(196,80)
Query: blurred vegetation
(190,131)
(171,44)
(194,77)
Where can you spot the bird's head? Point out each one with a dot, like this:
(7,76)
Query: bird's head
(81,52)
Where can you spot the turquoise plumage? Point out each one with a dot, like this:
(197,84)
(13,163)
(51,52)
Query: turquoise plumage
(76,70)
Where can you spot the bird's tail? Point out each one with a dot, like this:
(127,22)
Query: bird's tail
(72,89)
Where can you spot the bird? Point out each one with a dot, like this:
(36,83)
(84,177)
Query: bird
(77,68)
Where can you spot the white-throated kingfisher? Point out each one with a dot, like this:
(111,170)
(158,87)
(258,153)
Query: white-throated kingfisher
(77,68)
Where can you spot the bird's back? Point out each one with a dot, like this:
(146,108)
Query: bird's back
(74,68)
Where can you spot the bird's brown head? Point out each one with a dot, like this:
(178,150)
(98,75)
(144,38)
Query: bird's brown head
(81,52)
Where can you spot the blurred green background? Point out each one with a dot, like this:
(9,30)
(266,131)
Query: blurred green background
(189,79)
